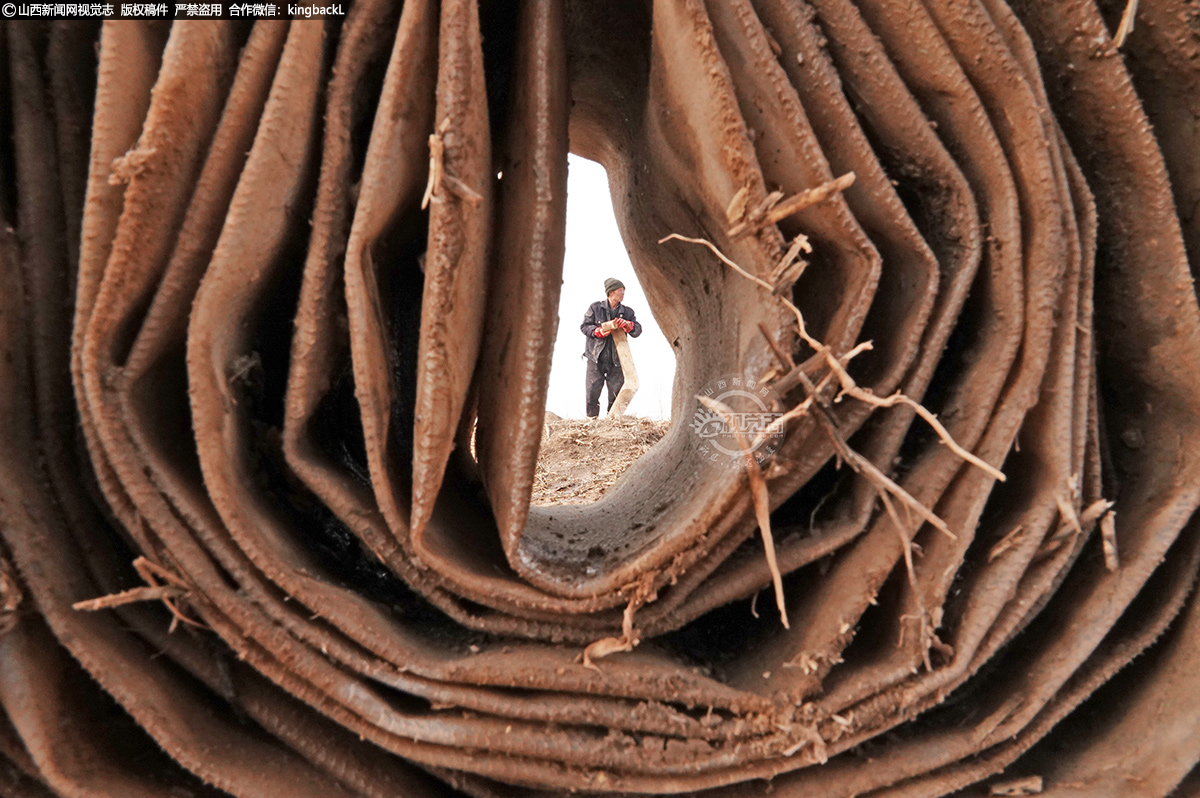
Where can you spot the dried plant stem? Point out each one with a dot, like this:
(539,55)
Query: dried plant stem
(784,358)
(848,386)
(1108,538)
(1126,25)
(131,596)
(762,505)
(437,155)
(161,585)
(735,211)
(1072,524)
(439,178)
(1005,543)
(905,540)
(889,491)
(791,265)
(866,468)
(614,645)
(810,736)
(808,339)
(793,204)
(851,388)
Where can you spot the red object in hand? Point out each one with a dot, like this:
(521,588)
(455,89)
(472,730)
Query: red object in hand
(625,324)
(600,333)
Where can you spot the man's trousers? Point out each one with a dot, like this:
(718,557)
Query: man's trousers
(605,372)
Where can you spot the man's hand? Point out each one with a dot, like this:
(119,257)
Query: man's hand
(625,324)
(602,333)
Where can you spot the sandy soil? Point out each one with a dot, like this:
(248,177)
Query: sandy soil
(581,459)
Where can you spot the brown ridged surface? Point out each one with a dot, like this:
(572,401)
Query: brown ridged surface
(280,300)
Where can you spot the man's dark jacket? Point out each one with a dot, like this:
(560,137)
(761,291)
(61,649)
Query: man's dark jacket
(597,314)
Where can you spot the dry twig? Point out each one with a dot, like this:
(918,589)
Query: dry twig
(808,339)
(1072,525)
(866,468)
(762,507)
(776,209)
(784,358)
(888,489)
(851,388)
(439,178)
(1005,543)
(791,265)
(848,386)
(161,585)
(437,155)
(131,596)
(1126,26)
(810,736)
(736,210)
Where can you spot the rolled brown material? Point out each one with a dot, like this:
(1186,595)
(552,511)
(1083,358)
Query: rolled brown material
(628,370)
(279,305)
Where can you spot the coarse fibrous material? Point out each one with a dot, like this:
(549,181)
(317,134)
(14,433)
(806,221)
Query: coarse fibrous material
(277,307)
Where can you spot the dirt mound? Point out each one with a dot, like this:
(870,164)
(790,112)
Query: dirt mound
(581,458)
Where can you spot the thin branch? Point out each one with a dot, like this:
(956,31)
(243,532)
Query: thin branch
(888,489)
(460,189)
(603,648)
(1005,543)
(152,572)
(614,645)
(905,540)
(1071,524)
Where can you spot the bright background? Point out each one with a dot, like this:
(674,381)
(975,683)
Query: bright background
(595,252)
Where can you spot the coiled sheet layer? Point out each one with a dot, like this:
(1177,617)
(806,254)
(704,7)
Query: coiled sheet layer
(272,415)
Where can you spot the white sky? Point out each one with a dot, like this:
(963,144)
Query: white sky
(595,252)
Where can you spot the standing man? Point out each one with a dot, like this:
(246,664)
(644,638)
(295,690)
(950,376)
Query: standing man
(603,366)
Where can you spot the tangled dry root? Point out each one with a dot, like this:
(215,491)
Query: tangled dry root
(260,295)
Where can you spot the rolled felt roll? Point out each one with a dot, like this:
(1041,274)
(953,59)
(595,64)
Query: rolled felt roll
(271,426)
